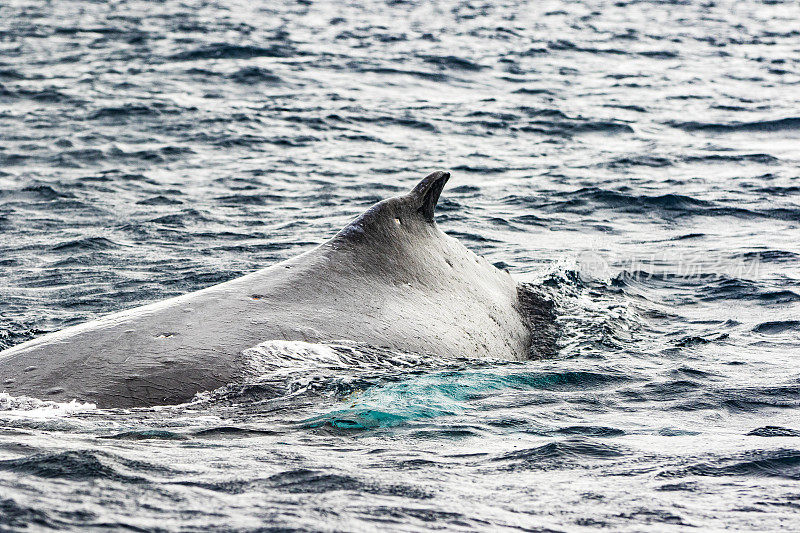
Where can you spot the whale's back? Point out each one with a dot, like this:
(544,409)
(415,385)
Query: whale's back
(391,278)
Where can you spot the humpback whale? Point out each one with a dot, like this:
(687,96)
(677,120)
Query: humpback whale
(391,278)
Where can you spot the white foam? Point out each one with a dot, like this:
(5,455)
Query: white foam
(277,356)
(34,407)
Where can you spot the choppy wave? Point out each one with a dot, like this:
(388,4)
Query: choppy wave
(788,124)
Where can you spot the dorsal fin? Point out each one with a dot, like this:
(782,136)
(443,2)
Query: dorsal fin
(427,193)
(418,204)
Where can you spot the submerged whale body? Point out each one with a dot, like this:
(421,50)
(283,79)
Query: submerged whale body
(390,278)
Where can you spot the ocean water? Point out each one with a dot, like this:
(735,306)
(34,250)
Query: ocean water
(638,160)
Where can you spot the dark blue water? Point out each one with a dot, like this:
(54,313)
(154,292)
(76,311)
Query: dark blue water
(637,159)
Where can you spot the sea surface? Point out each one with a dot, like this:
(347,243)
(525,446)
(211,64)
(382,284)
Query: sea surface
(638,160)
